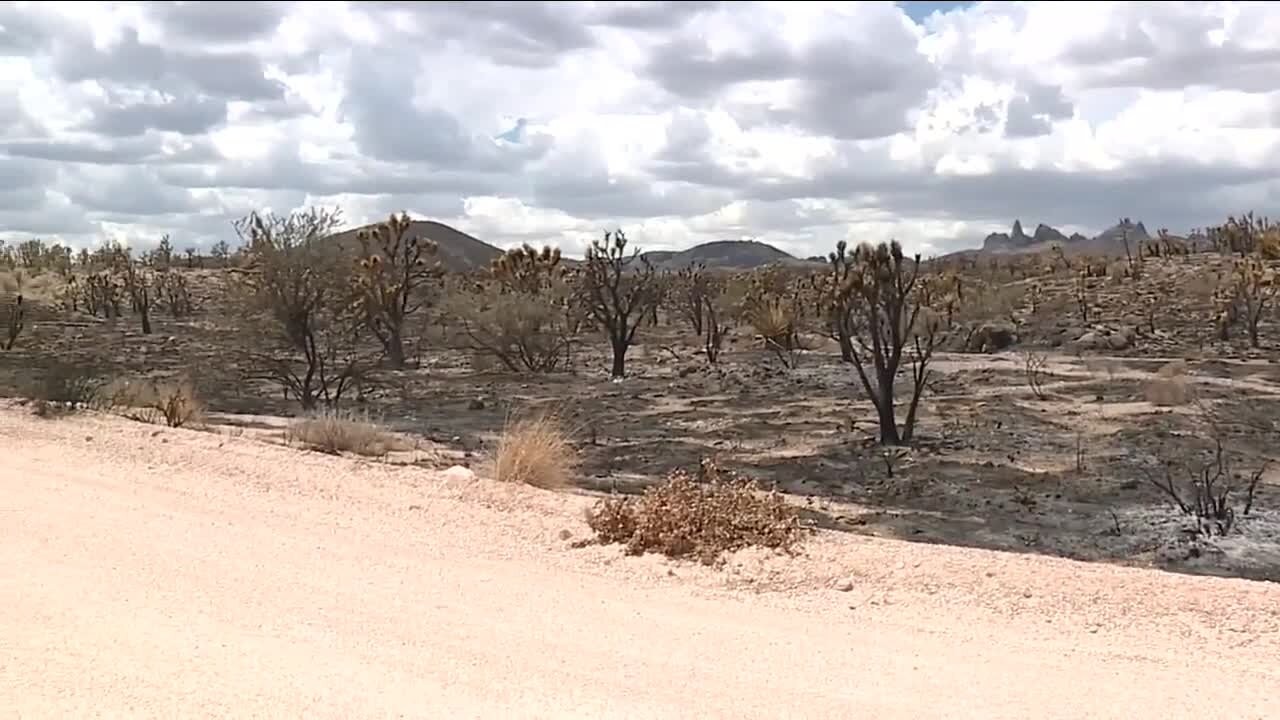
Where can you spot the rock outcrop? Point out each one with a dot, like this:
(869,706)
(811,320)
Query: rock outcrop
(1110,241)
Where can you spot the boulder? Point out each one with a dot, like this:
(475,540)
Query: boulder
(457,473)
(992,337)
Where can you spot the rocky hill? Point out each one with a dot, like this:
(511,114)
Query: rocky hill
(1109,242)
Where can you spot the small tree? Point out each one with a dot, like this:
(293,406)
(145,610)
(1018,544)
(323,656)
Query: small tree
(140,283)
(891,317)
(689,290)
(1254,287)
(714,329)
(295,289)
(221,252)
(392,269)
(617,294)
(162,255)
(13,323)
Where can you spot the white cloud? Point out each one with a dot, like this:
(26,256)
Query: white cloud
(795,123)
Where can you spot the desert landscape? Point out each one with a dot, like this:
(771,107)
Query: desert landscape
(802,431)
(1109,407)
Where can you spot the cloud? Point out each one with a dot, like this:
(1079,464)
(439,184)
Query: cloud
(799,124)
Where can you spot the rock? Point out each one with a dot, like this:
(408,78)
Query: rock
(1092,340)
(476,404)
(991,337)
(1118,341)
(457,473)
(844,585)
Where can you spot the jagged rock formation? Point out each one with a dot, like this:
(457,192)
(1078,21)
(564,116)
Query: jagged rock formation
(1116,236)
(1109,242)
(1046,234)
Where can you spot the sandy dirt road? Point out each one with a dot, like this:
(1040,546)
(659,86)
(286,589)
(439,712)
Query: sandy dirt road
(163,573)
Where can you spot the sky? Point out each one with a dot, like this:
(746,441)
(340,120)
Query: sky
(798,124)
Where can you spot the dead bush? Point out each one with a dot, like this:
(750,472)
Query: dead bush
(1033,366)
(535,451)
(525,331)
(683,517)
(336,432)
(1168,388)
(69,386)
(303,332)
(1206,494)
(159,402)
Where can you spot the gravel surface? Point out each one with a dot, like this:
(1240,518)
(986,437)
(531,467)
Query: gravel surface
(148,572)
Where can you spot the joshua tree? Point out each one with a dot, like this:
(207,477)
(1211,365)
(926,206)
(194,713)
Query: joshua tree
(892,318)
(617,294)
(392,269)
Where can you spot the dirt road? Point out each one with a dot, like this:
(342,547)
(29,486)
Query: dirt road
(163,573)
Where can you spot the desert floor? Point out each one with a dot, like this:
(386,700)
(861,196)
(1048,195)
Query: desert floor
(1066,468)
(152,572)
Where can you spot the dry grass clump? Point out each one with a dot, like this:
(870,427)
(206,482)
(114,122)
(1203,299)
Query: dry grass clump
(160,402)
(336,432)
(1169,387)
(682,517)
(535,451)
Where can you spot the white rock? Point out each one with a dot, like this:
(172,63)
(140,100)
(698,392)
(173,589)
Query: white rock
(458,473)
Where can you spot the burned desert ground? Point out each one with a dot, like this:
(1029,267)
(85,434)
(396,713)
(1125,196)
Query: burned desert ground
(1116,410)
(1042,428)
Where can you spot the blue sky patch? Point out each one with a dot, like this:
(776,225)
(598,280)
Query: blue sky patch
(918,11)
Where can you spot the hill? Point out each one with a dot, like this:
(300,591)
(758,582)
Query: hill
(723,255)
(459,252)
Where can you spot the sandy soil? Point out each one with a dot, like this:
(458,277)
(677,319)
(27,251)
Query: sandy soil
(150,572)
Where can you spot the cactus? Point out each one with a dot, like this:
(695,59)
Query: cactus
(161,258)
(525,269)
(773,306)
(1035,296)
(689,295)
(99,293)
(1245,235)
(617,294)
(1134,261)
(713,337)
(886,285)
(392,268)
(14,324)
(171,290)
(1255,287)
(1082,295)
(521,312)
(839,299)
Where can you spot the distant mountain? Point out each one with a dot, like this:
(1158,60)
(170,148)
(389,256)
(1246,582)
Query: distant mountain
(722,255)
(458,251)
(1109,242)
